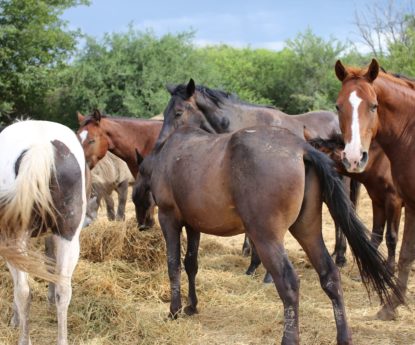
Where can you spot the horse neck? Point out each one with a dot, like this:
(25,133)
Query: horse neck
(127,135)
(241,115)
(396,115)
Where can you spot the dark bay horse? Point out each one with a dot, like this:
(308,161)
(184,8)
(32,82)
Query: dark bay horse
(377,179)
(376,105)
(123,137)
(224,112)
(43,185)
(262,181)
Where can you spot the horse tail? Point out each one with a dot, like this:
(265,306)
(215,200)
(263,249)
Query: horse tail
(372,265)
(28,201)
(29,261)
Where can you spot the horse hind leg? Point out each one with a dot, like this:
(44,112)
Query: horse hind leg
(275,260)
(67,254)
(191,267)
(393,217)
(22,297)
(50,253)
(406,258)
(122,191)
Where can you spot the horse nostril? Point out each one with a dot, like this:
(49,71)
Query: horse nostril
(346,162)
(365,157)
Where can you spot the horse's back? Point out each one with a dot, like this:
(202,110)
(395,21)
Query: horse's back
(267,164)
(40,155)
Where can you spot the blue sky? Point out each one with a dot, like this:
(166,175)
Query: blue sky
(257,23)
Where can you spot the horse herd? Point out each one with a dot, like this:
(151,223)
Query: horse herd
(221,166)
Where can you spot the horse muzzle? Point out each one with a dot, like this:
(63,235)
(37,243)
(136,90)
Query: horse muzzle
(355,163)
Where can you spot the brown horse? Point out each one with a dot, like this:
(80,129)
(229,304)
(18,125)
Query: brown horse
(262,180)
(123,137)
(224,112)
(43,185)
(373,104)
(377,179)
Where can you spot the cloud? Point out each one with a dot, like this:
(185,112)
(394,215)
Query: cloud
(238,30)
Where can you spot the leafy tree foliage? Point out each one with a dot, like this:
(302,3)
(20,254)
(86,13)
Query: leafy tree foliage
(33,45)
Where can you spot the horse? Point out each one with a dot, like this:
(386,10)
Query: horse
(43,185)
(262,181)
(110,174)
(224,113)
(123,137)
(377,179)
(375,105)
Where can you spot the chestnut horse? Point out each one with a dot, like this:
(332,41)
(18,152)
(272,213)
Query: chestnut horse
(123,137)
(373,104)
(262,181)
(43,185)
(377,179)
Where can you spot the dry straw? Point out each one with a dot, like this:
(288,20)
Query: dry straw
(121,296)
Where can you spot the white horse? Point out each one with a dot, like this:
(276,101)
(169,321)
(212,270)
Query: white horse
(43,178)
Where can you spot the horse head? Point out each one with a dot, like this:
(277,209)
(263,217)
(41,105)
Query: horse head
(94,140)
(358,116)
(182,110)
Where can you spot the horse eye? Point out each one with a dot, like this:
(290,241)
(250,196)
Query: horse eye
(373,107)
(91,141)
(179,113)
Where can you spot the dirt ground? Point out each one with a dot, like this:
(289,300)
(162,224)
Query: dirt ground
(121,295)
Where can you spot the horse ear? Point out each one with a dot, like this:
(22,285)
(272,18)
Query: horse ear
(341,71)
(170,88)
(372,71)
(81,117)
(140,158)
(96,115)
(190,88)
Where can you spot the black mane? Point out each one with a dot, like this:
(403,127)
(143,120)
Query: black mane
(216,96)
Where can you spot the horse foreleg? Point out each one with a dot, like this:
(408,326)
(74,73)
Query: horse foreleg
(21,302)
(246,247)
(67,254)
(122,191)
(378,227)
(393,215)
(109,202)
(406,258)
(191,266)
(340,247)
(171,231)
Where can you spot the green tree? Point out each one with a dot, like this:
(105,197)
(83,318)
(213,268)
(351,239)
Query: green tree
(33,45)
(127,73)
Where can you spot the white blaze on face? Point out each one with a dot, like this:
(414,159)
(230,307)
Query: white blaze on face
(352,148)
(83,135)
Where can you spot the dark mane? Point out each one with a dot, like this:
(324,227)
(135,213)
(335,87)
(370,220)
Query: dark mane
(217,97)
(333,143)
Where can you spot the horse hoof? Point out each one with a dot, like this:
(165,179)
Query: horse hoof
(144,227)
(268,278)
(386,314)
(250,271)
(340,261)
(190,310)
(174,316)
